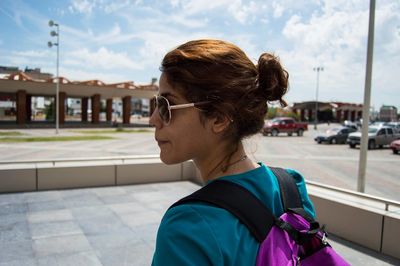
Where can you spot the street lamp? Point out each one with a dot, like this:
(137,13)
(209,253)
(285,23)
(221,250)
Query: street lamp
(318,69)
(50,44)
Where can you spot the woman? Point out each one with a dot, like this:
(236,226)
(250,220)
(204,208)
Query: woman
(211,97)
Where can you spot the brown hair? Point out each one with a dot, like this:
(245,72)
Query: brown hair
(221,73)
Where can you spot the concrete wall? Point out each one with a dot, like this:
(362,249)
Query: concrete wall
(62,174)
(368,221)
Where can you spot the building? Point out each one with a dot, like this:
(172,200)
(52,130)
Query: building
(328,111)
(23,98)
(8,70)
(388,113)
(33,73)
(36,73)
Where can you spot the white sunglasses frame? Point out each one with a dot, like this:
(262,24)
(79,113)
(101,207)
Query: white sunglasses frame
(174,107)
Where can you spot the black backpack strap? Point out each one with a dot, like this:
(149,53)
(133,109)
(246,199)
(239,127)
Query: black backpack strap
(290,195)
(239,201)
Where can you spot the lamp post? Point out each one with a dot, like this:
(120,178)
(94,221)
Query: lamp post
(50,44)
(318,69)
(362,163)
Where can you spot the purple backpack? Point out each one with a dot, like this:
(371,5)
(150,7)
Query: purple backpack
(292,239)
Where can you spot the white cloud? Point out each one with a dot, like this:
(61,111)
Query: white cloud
(188,22)
(336,38)
(199,6)
(75,74)
(278,9)
(116,6)
(242,12)
(102,59)
(77,38)
(32,53)
(82,6)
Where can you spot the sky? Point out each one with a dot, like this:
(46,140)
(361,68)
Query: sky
(125,40)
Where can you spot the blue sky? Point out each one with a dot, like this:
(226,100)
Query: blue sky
(125,40)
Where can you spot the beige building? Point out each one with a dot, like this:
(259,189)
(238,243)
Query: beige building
(21,88)
(388,113)
(328,111)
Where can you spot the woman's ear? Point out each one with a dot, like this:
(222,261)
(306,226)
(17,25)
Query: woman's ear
(220,123)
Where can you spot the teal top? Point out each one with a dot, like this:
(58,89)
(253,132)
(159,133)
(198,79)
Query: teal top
(202,234)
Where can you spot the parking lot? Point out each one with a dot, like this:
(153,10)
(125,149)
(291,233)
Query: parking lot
(335,165)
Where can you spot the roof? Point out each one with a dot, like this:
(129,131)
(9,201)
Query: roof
(21,81)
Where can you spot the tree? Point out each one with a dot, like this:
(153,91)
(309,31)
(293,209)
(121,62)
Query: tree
(271,113)
(49,111)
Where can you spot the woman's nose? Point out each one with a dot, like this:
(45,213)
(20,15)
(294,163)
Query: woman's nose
(155,119)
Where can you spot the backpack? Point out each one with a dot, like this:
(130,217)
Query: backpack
(294,238)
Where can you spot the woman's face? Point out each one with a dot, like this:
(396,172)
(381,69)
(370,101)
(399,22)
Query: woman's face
(185,137)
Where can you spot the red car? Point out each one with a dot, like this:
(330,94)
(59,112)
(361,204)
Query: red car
(395,146)
(284,125)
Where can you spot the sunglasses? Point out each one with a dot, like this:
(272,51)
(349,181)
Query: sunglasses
(164,108)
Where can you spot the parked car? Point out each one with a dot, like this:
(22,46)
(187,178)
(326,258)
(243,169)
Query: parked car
(284,125)
(378,123)
(335,135)
(394,125)
(395,146)
(350,124)
(378,136)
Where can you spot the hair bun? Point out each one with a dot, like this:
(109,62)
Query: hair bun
(272,78)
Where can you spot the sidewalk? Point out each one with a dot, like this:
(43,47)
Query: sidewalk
(104,226)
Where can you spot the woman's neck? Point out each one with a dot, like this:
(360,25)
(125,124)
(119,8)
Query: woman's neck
(221,163)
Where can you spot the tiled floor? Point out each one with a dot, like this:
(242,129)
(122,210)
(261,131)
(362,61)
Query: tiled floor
(102,226)
(95,226)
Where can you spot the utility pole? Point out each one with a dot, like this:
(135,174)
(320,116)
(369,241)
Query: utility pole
(367,99)
(318,69)
(50,44)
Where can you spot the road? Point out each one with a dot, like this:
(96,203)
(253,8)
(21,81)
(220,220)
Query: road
(335,165)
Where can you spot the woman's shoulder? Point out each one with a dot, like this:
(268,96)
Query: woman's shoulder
(185,235)
(302,188)
(194,214)
(201,230)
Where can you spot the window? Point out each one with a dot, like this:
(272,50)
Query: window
(390,131)
(381,132)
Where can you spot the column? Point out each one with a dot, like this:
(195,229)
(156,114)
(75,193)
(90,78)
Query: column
(339,115)
(84,107)
(302,115)
(126,109)
(109,109)
(21,107)
(310,114)
(346,115)
(28,108)
(61,109)
(353,116)
(96,108)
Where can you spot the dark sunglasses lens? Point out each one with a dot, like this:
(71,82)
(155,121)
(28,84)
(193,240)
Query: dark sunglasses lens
(163,109)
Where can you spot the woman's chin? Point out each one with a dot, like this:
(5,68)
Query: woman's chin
(169,159)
